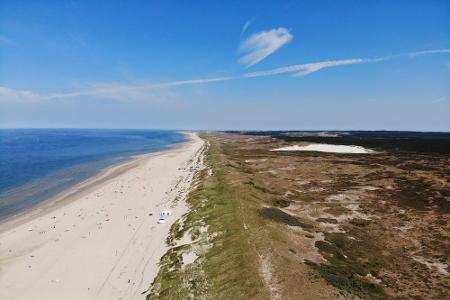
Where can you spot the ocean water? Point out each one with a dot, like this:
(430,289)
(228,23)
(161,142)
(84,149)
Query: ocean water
(35,164)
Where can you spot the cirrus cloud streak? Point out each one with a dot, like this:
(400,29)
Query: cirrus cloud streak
(155,92)
(262,44)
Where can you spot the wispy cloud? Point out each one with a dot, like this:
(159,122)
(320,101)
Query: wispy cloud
(13,95)
(143,92)
(136,93)
(439,100)
(305,69)
(105,90)
(427,52)
(158,92)
(6,40)
(247,25)
(262,44)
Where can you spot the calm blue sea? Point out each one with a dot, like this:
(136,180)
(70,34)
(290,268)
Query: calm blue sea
(35,164)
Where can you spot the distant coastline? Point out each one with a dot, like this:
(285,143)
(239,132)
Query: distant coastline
(109,223)
(58,180)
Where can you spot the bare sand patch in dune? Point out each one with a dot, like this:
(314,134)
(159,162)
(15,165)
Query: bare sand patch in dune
(327,148)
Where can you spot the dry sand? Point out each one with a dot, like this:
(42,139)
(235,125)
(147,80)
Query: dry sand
(101,242)
(326,148)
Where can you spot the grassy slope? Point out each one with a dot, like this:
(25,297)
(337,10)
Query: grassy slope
(227,266)
(250,250)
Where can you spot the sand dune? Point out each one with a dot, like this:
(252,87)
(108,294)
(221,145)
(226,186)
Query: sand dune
(105,242)
(326,148)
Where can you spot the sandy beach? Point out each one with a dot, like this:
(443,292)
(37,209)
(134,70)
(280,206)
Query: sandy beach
(100,240)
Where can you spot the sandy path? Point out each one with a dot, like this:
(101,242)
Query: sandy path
(103,244)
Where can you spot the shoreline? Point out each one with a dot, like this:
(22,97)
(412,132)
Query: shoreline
(99,239)
(70,193)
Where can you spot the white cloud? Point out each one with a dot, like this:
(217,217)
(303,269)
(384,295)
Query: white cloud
(427,52)
(107,90)
(126,93)
(149,92)
(439,100)
(305,69)
(247,25)
(143,92)
(262,44)
(193,81)
(12,95)
(6,40)
(310,68)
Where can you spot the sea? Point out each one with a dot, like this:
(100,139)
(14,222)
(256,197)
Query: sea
(36,164)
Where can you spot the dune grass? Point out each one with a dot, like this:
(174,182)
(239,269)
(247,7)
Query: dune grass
(248,245)
(226,266)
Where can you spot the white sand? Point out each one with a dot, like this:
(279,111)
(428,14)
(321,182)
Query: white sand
(326,148)
(101,243)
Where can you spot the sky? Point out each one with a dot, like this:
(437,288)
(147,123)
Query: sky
(219,65)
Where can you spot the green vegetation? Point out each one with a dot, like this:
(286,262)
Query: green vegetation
(360,222)
(226,266)
(253,224)
(281,203)
(280,216)
(347,280)
(327,220)
(420,194)
(345,269)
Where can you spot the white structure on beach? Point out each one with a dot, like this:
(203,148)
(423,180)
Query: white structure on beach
(163,216)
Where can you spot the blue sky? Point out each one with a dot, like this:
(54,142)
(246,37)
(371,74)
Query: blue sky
(225,64)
